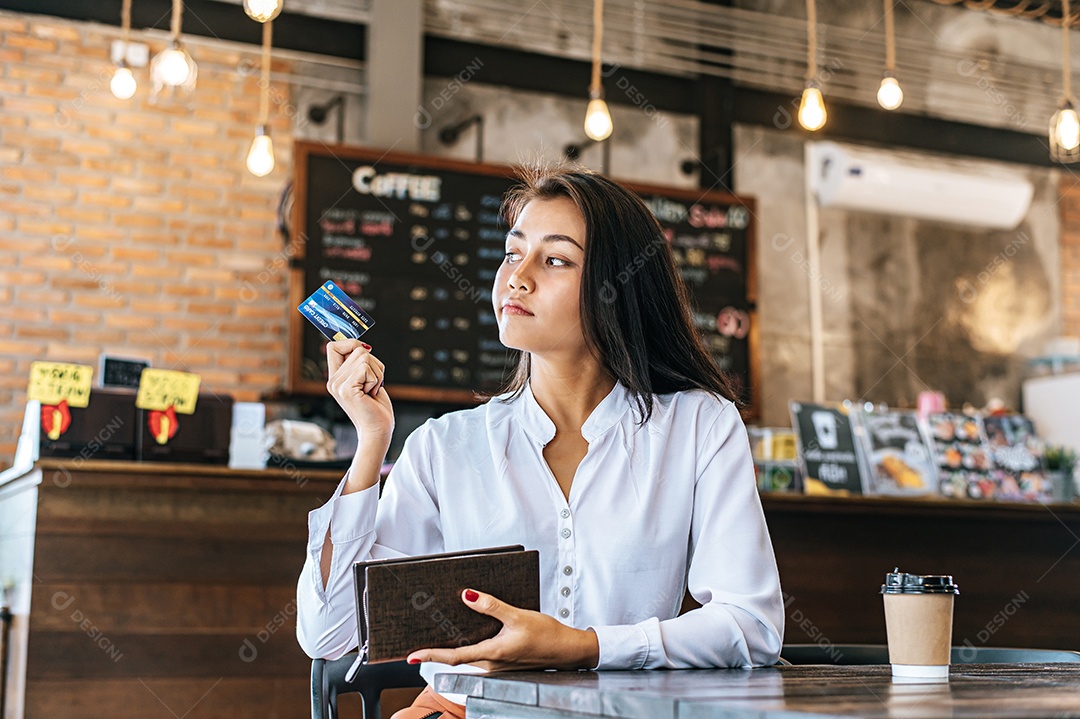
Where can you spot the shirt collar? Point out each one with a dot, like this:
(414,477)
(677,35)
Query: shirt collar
(540,427)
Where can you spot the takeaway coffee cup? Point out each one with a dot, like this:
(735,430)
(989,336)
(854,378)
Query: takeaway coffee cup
(918,621)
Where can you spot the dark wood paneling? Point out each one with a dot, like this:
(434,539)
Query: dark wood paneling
(1018,567)
(156,559)
(96,654)
(138,531)
(178,579)
(172,608)
(155,698)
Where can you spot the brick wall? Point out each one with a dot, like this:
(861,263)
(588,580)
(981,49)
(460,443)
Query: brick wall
(132,228)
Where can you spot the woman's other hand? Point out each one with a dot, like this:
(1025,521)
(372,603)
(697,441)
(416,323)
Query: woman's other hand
(527,640)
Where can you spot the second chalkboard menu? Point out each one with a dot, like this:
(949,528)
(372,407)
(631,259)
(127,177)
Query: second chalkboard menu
(417,240)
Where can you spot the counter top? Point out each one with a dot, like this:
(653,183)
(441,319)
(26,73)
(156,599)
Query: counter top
(973,690)
(103,466)
(101,472)
(925,506)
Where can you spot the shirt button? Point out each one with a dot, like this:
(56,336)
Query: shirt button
(565,513)
(565,533)
(567,569)
(566,591)
(564,613)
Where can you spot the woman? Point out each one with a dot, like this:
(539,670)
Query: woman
(617,452)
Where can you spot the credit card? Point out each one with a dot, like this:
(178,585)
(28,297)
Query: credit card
(335,314)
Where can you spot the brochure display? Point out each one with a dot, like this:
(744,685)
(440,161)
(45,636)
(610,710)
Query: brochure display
(847,449)
(829,456)
(962,456)
(897,453)
(1018,455)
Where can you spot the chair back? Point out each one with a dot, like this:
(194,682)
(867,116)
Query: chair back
(328,682)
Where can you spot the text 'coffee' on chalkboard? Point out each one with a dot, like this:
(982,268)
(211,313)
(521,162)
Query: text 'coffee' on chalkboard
(417,240)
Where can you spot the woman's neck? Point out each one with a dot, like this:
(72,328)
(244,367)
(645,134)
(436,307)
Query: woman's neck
(569,394)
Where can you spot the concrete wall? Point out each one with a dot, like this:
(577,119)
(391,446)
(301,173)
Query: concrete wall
(908,304)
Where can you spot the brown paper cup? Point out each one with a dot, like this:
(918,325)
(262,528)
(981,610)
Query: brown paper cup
(919,628)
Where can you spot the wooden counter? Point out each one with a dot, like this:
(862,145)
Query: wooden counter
(156,590)
(1017,566)
(973,691)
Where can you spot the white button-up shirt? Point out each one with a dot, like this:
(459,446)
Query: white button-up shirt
(653,510)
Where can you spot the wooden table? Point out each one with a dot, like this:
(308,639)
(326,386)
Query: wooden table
(986,691)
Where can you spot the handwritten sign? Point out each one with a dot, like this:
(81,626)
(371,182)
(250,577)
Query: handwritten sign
(160,389)
(52,382)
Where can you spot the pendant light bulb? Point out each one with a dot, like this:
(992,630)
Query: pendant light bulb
(260,159)
(173,66)
(1064,137)
(889,94)
(263,10)
(598,125)
(812,114)
(1065,127)
(123,83)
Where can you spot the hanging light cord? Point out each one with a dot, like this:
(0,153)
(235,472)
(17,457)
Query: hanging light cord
(264,83)
(177,13)
(890,38)
(125,22)
(1066,69)
(597,42)
(811,40)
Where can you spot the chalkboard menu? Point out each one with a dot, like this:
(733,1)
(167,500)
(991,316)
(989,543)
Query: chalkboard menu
(417,240)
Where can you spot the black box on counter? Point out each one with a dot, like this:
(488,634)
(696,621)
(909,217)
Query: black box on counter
(105,429)
(199,438)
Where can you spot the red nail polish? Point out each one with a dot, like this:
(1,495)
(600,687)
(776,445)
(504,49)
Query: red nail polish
(414,661)
(366,345)
(471,596)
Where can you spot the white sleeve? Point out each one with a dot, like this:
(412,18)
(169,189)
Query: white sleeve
(404,522)
(732,574)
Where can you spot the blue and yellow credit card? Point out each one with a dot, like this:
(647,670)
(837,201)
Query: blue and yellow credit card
(335,314)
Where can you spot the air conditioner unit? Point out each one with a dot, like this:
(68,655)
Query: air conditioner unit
(968,193)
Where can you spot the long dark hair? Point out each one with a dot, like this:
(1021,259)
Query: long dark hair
(635,308)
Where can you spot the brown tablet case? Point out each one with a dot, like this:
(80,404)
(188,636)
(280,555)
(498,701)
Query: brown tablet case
(415,603)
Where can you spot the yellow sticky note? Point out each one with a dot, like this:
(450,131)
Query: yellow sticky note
(51,382)
(163,388)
